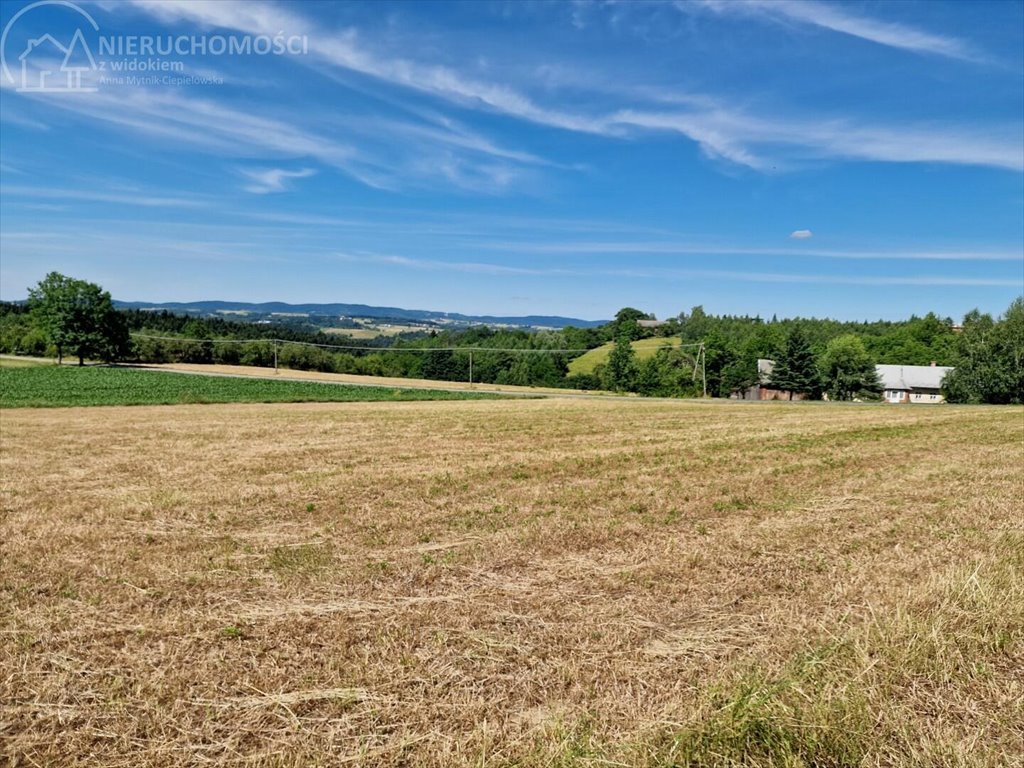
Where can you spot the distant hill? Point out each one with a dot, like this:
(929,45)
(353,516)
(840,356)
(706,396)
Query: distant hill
(256,311)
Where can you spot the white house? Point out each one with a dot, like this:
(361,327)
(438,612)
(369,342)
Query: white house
(912,383)
(900,384)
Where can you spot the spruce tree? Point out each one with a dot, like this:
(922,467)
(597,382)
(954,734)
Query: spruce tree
(795,371)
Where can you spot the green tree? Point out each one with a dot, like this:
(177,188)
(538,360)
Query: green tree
(1011,341)
(78,318)
(625,323)
(670,373)
(695,326)
(990,359)
(795,371)
(738,376)
(847,370)
(619,374)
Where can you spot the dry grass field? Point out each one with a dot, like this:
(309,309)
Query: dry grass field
(533,583)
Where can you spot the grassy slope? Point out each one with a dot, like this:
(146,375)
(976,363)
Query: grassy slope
(537,583)
(52,386)
(643,349)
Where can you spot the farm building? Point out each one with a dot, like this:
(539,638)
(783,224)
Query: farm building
(900,384)
(912,383)
(763,390)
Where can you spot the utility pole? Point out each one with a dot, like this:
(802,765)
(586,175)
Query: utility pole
(275,355)
(702,360)
(470,369)
(704,368)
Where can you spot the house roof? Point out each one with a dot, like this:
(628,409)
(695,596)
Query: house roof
(905,377)
(909,377)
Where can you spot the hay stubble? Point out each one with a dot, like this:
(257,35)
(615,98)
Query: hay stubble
(537,582)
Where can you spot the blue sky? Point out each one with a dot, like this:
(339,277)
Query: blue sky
(854,160)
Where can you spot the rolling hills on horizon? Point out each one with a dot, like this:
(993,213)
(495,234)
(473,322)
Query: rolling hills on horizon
(338,310)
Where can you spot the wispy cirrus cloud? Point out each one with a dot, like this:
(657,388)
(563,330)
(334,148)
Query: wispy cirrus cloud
(761,142)
(648,273)
(684,248)
(833,16)
(265,181)
(472,267)
(380,153)
(98,196)
(343,49)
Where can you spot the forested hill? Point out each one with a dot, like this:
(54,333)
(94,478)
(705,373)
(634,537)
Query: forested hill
(210,308)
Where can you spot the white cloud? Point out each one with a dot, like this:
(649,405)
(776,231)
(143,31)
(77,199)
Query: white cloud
(673,274)
(684,248)
(391,155)
(802,234)
(98,196)
(764,143)
(472,267)
(343,50)
(272,179)
(834,17)
(760,142)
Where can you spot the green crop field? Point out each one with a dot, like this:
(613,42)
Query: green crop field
(643,349)
(53,386)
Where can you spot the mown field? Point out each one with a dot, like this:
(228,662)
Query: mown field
(38,386)
(499,583)
(9,361)
(643,349)
(371,331)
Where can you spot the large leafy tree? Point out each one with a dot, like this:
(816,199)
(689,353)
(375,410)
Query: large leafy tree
(847,369)
(670,373)
(78,318)
(619,373)
(795,370)
(625,323)
(990,359)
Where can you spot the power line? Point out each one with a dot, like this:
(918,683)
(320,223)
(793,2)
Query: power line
(701,358)
(364,348)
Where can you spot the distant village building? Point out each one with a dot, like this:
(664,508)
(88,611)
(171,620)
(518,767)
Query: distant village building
(651,323)
(912,383)
(900,384)
(763,390)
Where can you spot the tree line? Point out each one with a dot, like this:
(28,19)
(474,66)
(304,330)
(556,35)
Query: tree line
(814,357)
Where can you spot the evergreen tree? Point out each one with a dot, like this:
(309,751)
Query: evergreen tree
(795,371)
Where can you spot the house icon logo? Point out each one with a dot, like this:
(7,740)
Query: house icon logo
(35,74)
(45,63)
